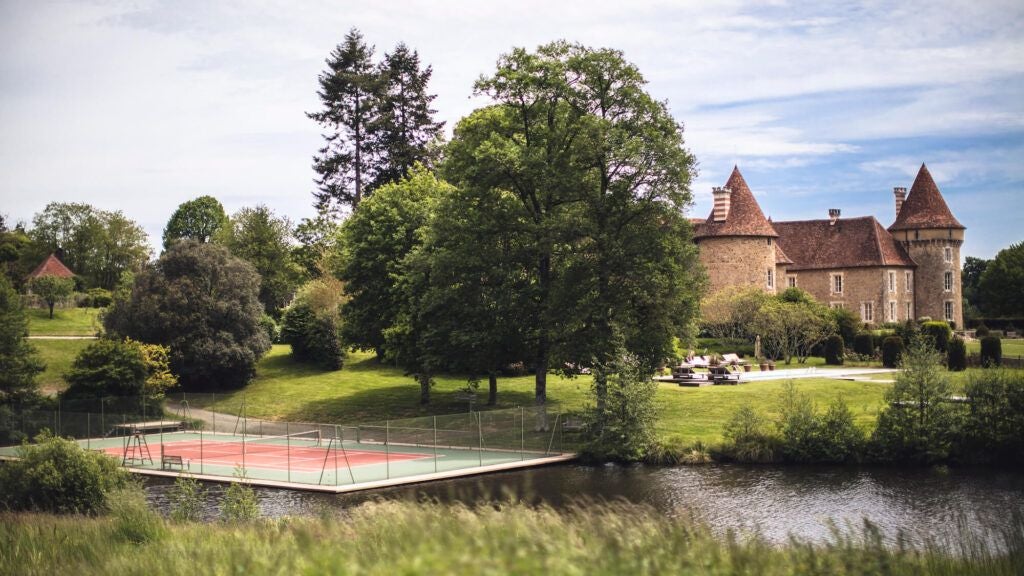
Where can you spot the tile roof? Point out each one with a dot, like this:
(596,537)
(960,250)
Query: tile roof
(924,206)
(52,266)
(745,217)
(850,243)
(780,256)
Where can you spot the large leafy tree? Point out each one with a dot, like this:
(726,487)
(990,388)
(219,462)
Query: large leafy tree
(97,245)
(202,303)
(600,177)
(17,256)
(316,250)
(405,127)
(19,362)
(260,237)
(349,89)
(375,240)
(1002,284)
(198,220)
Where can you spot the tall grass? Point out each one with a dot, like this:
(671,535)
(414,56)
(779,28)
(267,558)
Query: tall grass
(418,538)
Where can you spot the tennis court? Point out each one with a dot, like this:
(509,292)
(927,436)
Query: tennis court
(312,456)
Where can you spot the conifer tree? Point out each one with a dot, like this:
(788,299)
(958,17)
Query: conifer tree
(349,94)
(19,362)
(405,126)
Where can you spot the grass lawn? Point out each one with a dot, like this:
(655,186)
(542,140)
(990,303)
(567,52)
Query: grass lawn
(365,391)
(65,322)
(1011,347)
(58,355)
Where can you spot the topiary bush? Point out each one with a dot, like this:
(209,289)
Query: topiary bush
(864,344)
(892,349)
(57,475)
(956,358)
(981,331)
(991,351)
(939,332)
(834,350)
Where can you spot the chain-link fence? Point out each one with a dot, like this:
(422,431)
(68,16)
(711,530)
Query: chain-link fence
(203,434)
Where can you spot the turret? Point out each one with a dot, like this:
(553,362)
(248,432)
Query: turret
(737,243)
(932,237)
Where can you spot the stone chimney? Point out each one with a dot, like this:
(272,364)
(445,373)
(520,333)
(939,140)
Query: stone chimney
(833,215)
(723,199)
(901,194)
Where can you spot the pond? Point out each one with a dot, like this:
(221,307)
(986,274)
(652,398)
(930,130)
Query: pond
(776,501)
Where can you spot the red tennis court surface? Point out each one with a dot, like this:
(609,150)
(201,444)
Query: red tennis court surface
(269,456)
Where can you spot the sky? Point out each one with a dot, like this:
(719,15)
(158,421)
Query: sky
(141,105)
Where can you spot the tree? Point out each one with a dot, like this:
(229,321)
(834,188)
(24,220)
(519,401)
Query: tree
(349,90)
(919,423)
(1001,286)
(405,127)
(202,303)
(597,169)
(791,324)
(263,239)
(16,253)
(375,241)
(312,323)
(97,245)
(19,361)
(52,289)
(198,220)
(970,279)
(107,368)
(726,313)
(317,238)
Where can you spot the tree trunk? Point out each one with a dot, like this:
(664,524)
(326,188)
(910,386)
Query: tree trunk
(51,309)
(492,388)
(424,388)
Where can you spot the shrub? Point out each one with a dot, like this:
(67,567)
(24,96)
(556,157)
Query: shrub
(991,351)
(269,326)
(981,331)
(956,359)
(747,437)
(187,498)
(939,333)
(312,324)
(623,428)
(892,349)
(918,425)
(808,437)
(994,426)
(864,344)
(100,298)
(240,503)
(834,350)
(107,368)
(846,323)
(57,475)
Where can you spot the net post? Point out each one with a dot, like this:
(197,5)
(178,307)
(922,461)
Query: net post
(288,447)
(337,480)
(387,449)
(161,441)
(522,433)
(88,430)
(213,405)
(480,437)
(435,444)
(201,459)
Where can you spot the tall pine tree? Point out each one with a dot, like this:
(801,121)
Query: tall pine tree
(405,126)
(349,92)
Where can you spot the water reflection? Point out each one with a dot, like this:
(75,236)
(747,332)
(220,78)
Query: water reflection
(775,501)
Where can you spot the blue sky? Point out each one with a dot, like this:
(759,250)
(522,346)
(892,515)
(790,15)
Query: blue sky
(140,105)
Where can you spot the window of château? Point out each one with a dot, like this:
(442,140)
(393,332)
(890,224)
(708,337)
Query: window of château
(837,283)
(892,281)
(949,310)
(792,281)
(771,278)
(947,281)
(910,276)
(892,311)
(947,254)
(837,305)
(867,312)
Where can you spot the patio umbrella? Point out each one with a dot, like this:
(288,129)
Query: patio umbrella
(757,346)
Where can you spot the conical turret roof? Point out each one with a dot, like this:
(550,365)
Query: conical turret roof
(924,206)
(52,266)
(745,217)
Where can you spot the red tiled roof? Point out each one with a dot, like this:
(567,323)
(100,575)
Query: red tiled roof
(780,256)
(745,217)
(924,206)
(850,243)
(52,266)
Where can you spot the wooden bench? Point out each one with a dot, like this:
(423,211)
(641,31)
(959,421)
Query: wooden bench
(169,460)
